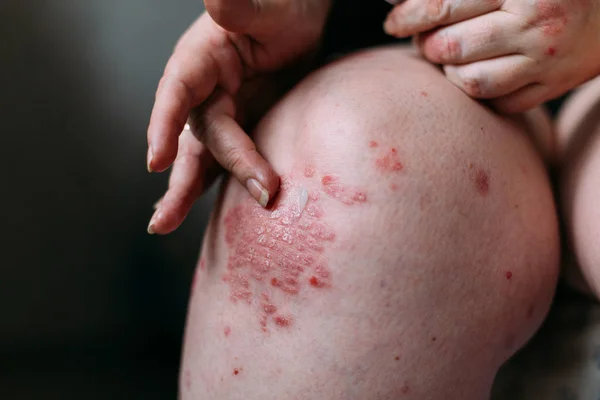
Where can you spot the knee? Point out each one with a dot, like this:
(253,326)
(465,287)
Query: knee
(436,203)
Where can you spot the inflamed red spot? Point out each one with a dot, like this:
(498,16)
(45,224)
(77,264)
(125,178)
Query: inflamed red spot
(309,171)
(389,162)
(332,187)
(481,179)
(405,389)
(315,281)
(551,17)
(283,321)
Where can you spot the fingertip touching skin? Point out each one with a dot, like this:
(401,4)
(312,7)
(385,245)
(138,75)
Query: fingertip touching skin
(279,253)
(204,83)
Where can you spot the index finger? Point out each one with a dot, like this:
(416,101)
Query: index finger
(415,16)
(191,75)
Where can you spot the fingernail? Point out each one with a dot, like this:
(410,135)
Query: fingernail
(258,192)
(149,159)
(150,229)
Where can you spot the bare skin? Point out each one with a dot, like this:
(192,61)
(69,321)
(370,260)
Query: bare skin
(517,53)
(237,54)
(578,139)
(412,250)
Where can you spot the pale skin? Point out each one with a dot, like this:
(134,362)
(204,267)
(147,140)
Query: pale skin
(437,273)
(287,364)
(516,54)
(236,49)
(578,145)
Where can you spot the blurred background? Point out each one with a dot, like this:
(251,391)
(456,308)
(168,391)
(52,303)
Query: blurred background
(91,306)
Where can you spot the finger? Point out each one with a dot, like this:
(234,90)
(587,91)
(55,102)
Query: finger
(492,78)
(189,78)
(215,126)
(415,16)
(193,172)
(522,100)
(245,16)
(487,36)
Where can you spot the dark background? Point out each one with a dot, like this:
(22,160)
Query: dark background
(90,305)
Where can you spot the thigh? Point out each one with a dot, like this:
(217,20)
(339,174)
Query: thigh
(412,249)
(578,133)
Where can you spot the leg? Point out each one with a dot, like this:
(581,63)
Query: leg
(579,157)
(412,250)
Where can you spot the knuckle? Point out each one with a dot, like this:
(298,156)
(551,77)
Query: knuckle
(472,84)
(445,48)
(234,159)
(438,10)
(453,49)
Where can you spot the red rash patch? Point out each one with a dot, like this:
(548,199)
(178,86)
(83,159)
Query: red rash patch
(508,275)
(236,371)
(424,93)
(227,331)
(202,264)
(551,51)
(482,181)
(279,252)
(551,18)
(373,144)
(282,320)
(405,389)
(332,187)
(389,162)
(317,282)
(309,171)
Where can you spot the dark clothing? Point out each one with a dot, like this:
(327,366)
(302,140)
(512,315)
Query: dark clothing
(356,24)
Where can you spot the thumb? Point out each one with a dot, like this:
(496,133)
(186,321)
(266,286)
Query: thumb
(242,16)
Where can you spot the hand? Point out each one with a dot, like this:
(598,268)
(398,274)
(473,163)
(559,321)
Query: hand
(520,53)
(236,45)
